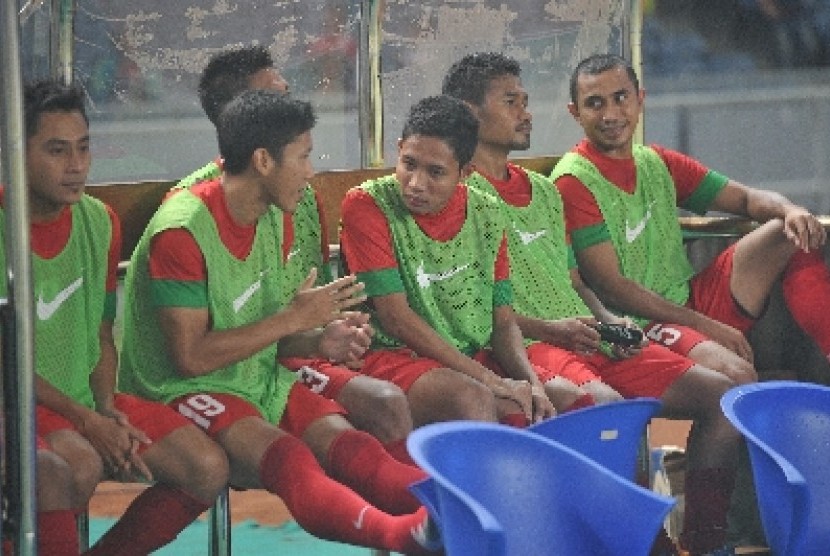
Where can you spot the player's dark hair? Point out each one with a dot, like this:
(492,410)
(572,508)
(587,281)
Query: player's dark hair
(226,75)
(445,118)
(260,119)
(469,78)
(49,95)
(600,63)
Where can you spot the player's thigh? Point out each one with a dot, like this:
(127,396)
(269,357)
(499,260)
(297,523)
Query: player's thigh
(760,258)
(714,356)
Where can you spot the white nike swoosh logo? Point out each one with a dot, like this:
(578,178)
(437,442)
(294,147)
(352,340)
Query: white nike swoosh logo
(245,296)
(529,237)
(425,278)
(358,523)
(46,310)
(292,253)
(633,233)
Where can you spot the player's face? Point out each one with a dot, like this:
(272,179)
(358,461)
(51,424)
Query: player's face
(57,163)
(268,79)
(504,121)
(608,109)
(291,174)
(428,173)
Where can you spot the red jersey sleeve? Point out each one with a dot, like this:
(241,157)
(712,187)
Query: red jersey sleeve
(502,266)
(365,236)
(175,255)
(686,172)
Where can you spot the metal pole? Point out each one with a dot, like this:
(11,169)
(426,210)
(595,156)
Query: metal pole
(634,52)
(62,40)
(18,321)
(370,100)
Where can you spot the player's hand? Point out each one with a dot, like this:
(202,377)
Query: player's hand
(315,307)
(117,442)
(729,337)
(573,334)
(542,406)
(804,229)
(346,339)
(517,391)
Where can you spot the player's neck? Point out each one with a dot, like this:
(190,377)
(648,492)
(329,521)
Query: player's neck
(490,162)
(243,200)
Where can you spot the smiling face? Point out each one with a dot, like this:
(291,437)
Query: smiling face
(57,163)
(608,108)
(288,176)
(428,173)
(504,121)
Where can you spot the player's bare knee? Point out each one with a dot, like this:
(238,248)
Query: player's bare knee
(202,471)
(381,410)
(740,371)
(474,401)
(601,392)
(55,482)
(87,471)
(391,419)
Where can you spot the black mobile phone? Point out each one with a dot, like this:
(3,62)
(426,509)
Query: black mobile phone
(620,334)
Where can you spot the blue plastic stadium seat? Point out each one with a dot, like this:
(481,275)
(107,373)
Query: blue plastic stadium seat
(610,434)
(787,428)
(496,490)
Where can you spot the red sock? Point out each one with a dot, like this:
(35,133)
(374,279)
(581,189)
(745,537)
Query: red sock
(153,520)
(806,287)
(397,449)
(328,509)
(585,400)
(57,533)
(358,460)
(518,420)
(707,493)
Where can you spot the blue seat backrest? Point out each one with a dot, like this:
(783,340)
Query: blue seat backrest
(547,498)
(610,434)
(792,419)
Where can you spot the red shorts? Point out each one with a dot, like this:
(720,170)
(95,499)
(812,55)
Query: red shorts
(550,362)
(648,374)
(154,418)
(403,366)
(400,366)
(711,295)
(320,376)
(215,411)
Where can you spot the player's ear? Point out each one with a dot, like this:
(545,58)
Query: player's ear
(573,109)
(262,161)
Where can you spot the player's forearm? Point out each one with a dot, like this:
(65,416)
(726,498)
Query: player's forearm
(52,398)
(630,298)
(301,344)
(508,347)
(102,380)
(198,350)
(762,205)
(417,335)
